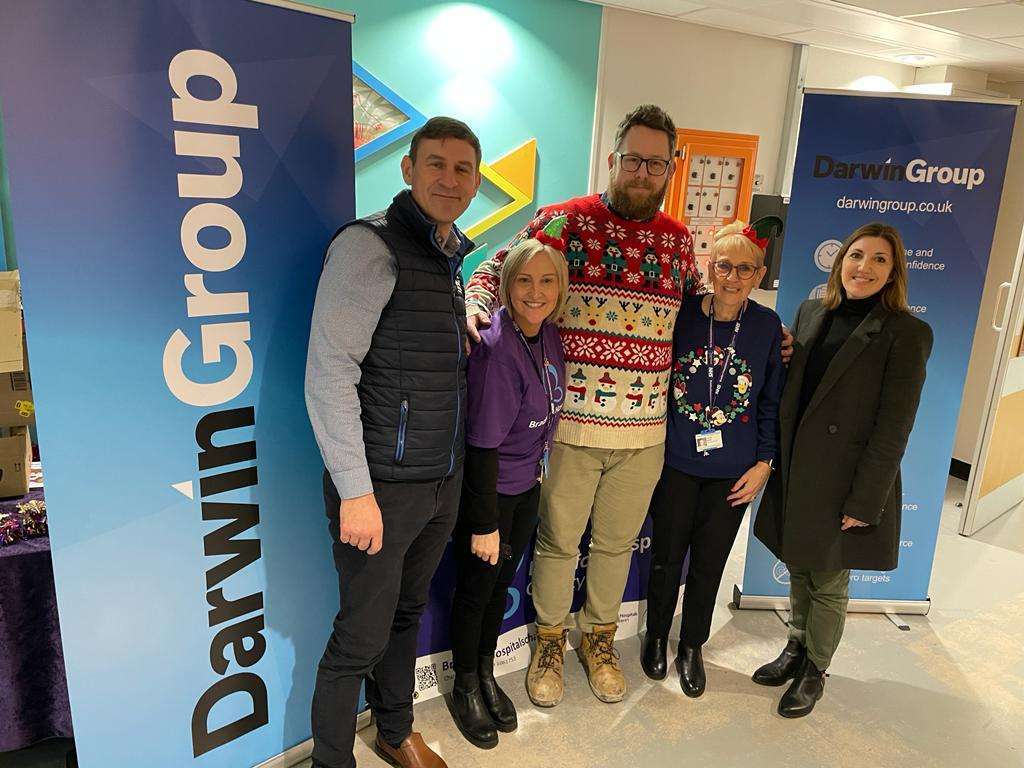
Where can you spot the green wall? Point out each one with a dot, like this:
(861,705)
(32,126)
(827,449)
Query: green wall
(512,69)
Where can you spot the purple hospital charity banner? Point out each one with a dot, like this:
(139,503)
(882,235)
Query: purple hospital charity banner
(434,671)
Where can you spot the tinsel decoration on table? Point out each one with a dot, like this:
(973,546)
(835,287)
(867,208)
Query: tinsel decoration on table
(10,529)
(28,521)
(33,518)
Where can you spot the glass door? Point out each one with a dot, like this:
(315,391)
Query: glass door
(996,482)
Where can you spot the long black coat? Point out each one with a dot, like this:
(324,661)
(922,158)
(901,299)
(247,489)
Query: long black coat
(843,458)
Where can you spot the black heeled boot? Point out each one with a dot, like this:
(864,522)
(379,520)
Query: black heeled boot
(470,712)
(503,711)
(784,668)
(803,693)
(654,657)
(691,671)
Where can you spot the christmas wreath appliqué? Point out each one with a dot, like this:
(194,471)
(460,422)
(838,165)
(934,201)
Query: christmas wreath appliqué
(730,407)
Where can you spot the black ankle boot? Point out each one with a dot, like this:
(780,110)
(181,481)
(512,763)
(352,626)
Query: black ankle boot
(470,712)
(804,692)
(784,668)
(503,711)
(691,671)
(653,659)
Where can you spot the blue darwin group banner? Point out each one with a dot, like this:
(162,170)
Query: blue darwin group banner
(934,170)
(176,169)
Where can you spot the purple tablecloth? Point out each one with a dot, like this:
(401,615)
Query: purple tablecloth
(33,688)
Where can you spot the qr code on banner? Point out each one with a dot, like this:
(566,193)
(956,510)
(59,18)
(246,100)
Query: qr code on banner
(426,677)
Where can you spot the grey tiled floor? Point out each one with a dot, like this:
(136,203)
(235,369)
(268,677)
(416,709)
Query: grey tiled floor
(948,693)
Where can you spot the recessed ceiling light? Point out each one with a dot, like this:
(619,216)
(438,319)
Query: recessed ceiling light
(914,58)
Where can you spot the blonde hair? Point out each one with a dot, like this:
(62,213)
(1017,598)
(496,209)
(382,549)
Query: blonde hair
(894,294)
(516,260)
(730,239)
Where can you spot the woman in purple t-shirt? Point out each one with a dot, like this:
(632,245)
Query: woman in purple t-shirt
(516,382)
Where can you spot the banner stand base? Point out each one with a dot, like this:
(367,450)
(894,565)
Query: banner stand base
(770,603)
(302,751)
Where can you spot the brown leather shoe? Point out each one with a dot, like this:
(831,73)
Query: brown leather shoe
(601,660)
(411,753)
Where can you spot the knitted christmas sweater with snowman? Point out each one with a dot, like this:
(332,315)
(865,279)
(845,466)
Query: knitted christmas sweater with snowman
(627,281)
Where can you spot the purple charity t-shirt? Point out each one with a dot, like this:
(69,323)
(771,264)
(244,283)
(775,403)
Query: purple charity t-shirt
(509,407)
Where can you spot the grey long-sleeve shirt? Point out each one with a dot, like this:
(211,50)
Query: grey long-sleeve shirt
(356,284)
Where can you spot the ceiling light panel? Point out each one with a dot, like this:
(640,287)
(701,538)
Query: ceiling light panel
(740,5)
(1005,20)
(663,7)
(1015,41)
(742,22)
(827,39)
(908,7)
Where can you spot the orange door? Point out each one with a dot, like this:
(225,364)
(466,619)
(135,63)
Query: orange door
(712,185)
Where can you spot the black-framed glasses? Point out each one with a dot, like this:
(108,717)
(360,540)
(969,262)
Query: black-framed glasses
(743,271)
(631,164)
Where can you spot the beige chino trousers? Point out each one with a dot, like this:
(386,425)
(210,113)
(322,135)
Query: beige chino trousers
(611,489)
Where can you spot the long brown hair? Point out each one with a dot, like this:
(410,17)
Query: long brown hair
(894,294)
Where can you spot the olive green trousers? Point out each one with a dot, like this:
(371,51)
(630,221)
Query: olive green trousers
(818,601)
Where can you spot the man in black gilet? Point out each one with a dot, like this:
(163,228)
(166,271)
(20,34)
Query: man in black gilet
(385,391)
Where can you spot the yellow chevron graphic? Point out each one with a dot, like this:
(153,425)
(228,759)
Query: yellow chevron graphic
(514,174)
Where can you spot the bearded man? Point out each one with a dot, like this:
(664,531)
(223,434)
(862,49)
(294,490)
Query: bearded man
(632,267)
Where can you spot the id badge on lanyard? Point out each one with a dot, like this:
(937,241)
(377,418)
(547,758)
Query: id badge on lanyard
(710,439)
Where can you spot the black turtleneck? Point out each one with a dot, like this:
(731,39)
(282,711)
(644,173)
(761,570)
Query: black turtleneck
(838,325)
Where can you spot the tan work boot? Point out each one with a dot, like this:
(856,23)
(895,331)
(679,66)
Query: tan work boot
(544,678)
(601,660)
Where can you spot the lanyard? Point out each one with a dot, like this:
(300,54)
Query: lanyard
(548,390)
(714,391)
(541,374)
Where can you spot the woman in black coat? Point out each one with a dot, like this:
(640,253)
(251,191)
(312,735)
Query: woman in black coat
(851,396)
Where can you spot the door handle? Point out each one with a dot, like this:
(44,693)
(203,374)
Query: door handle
(995,310)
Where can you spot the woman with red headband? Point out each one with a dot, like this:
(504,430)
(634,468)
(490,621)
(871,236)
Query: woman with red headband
(722,444)
(515,388)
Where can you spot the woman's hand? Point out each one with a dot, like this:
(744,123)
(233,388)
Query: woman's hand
(787,345)
(486,546)
(850,522)
(748,486)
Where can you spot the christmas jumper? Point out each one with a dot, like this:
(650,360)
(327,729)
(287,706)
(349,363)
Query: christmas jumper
(627,280)
(746,409)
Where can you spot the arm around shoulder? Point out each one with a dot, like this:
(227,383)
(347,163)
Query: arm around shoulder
(482,288)
(800,314)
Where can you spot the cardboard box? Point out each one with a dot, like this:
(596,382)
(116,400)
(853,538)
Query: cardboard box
(12,351)
(17,407)
(15,462)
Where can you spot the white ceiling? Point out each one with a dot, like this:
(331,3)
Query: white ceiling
(985,35)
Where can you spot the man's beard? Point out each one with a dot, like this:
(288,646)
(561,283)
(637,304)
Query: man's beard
(636,209)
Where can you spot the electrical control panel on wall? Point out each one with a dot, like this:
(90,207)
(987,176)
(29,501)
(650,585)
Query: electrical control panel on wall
(713,184)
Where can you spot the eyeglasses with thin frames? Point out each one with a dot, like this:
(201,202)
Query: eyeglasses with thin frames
(631,164)
(743,271)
